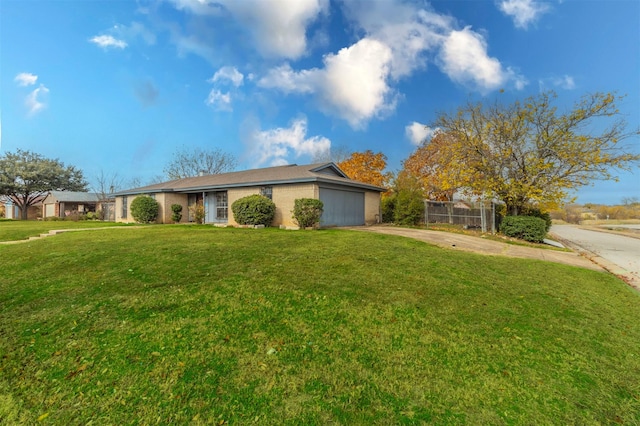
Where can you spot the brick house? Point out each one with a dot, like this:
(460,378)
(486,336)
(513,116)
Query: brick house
(346,202)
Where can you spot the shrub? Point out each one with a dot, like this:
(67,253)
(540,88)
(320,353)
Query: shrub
(531,211)
(409,208)
(528,228)
(73,216)
(253,210)
(176,216)
(197,212)
(307,212)
(388,208)
(144,209)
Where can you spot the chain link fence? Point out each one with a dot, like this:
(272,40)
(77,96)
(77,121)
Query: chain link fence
(469,214)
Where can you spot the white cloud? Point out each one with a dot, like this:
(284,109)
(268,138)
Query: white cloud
(228,73)
(274,147)
(465,60)
(287,80)
(219,101)
(355,81)
(523,12)
(108,41)
(26,79)
(418,132)
(135,30)
(34,101)
(565,82)
(352,84)
(409,32)
(278,28)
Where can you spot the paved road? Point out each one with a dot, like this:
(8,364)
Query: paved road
(621,253)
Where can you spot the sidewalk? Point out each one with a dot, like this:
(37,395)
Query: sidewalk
(484,246)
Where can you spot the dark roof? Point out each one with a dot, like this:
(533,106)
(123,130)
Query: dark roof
(320,172)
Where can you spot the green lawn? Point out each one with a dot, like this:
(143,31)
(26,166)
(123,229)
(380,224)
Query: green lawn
(201,325)
(13,230)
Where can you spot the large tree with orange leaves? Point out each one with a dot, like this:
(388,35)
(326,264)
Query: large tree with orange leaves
(434,165)
(366,167)
(526,152)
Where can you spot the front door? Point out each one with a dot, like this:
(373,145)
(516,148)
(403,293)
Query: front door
(216,207)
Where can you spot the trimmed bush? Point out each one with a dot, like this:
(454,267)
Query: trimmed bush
(307,212)
(530,211)
(176,216)
(144,209)
(254,210)
(528,228)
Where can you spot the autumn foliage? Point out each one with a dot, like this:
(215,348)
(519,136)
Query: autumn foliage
(525,153)
(366,167)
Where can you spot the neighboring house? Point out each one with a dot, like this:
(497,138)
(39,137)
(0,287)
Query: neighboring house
(12,211)
(346,202)
(66,203)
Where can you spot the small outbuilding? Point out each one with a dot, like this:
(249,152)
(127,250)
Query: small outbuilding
(346,202)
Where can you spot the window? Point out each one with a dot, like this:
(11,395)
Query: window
(267,191)
(124,207)
(221,206)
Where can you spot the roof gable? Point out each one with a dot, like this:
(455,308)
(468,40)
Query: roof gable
(330,169)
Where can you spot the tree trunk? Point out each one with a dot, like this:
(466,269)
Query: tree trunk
(24,212)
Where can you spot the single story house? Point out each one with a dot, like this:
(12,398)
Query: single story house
(12,211)
(66,203)
(346,202)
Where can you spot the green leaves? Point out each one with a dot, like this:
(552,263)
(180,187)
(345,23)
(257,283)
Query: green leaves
(26,175)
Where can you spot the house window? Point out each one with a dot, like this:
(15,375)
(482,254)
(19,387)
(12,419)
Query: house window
(221,206)
(124,207)
(267,191)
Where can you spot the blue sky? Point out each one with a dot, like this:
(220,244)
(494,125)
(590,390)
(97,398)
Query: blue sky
(118,86)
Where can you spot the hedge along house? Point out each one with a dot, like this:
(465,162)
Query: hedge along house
(346,202)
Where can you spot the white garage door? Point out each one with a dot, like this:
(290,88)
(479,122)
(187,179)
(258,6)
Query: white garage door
(342,208)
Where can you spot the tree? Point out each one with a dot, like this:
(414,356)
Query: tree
(433,164)
(366,167)
(335,154)
(26,176)
(106,184)
(529,152)
(190,163)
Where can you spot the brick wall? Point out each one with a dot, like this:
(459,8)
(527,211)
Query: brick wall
(166,200)
(372,207)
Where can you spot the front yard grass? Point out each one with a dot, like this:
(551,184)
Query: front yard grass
(14,230)
(202,325)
